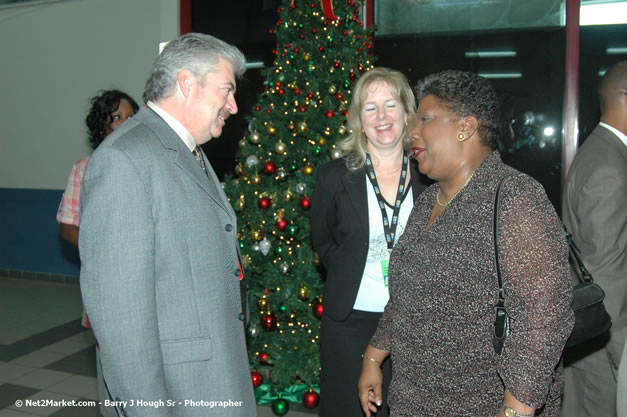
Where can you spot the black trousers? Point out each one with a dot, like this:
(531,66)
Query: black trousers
(341,346)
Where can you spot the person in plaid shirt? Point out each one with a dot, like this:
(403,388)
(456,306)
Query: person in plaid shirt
(109,109)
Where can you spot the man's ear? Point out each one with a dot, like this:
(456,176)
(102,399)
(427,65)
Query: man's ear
(185,82)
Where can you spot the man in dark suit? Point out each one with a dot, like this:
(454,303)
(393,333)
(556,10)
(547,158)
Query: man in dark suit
(594,209)
(160,272)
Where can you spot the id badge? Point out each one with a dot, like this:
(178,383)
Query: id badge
(384,271)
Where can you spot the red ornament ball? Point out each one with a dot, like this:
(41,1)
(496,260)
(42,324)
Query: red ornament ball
(336,64)
(317,308)
(282,225)
(339,96)
(258,380)
(264,203)
(269,168)
(303,109)
(330,113)
(314,31)
(257,108)
(263,357)
(268,111)
(281,92)
(310,96)
(310,398)
(305,202)
(297,91)
(269,322)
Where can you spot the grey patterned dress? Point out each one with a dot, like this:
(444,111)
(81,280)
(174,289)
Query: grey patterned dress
(438,324)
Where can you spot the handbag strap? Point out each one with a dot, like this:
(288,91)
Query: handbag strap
(497,203)
(581,272)
(500,322)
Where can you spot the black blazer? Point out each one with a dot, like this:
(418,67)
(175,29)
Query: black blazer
(340,231)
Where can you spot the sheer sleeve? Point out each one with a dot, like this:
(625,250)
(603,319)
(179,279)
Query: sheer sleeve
(383,336)
(535,271)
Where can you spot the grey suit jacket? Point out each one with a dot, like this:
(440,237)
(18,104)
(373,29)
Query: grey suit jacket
(594,209)
(160,277)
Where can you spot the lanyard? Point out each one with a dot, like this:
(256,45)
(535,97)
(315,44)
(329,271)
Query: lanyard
(390,232)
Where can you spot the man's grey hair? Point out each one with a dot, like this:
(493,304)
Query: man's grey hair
(196,52)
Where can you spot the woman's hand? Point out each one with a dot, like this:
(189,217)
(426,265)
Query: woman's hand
(371,380)
(520,407)
(370,383)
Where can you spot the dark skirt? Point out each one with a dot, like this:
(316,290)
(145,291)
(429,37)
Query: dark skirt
(341,346)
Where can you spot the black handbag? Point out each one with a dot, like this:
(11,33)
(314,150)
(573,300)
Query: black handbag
(591,318)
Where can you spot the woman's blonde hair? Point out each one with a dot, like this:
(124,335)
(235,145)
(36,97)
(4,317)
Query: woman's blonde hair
(355,145)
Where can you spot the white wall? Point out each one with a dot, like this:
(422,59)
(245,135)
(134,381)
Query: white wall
(53,58)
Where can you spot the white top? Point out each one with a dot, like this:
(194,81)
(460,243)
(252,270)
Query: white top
(373,292)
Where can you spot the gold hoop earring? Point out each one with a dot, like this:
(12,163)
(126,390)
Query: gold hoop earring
(461,137)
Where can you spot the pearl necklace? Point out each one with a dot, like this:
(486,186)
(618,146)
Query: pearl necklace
(437,197)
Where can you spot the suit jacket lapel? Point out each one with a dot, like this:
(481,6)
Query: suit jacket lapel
(184,158)
(355,185)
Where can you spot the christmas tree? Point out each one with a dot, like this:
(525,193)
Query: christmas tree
(322,48)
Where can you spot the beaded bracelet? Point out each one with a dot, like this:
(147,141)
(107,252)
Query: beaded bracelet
(371,359)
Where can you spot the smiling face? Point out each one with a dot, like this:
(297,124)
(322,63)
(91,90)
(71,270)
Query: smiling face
(124,111)
(213,102)
(435,145)
(382,117)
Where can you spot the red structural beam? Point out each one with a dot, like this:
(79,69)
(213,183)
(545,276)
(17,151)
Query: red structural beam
(185,15)
(571,87)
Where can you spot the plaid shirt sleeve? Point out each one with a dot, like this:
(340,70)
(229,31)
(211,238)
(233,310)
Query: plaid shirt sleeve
(69,209)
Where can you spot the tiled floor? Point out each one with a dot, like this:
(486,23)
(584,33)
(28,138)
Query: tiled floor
(46,355)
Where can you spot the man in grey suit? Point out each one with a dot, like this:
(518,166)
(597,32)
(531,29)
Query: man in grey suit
(594,209)
(160,274)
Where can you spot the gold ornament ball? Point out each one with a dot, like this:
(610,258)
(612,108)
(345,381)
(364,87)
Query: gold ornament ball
(288,195)
(262,303)
(303,293)
(256,235)
(280,147)
(336,154)
(341,130)
(331,70)
(242,143)
(240,204)
(308,169)
(271,130)
(306,56)
(256,179)
(332,89)
(302,127)
(322,141)
(254,138)
(239,169)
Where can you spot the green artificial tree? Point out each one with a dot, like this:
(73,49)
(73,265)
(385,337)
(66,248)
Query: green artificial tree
(322,48)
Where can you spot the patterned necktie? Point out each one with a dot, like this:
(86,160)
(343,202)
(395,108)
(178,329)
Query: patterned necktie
(198,154)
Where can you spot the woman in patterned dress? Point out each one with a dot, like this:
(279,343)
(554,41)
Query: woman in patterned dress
(438,325)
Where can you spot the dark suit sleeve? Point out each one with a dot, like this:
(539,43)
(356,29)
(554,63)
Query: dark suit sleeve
(601,216)
(117,250)
(323,214)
